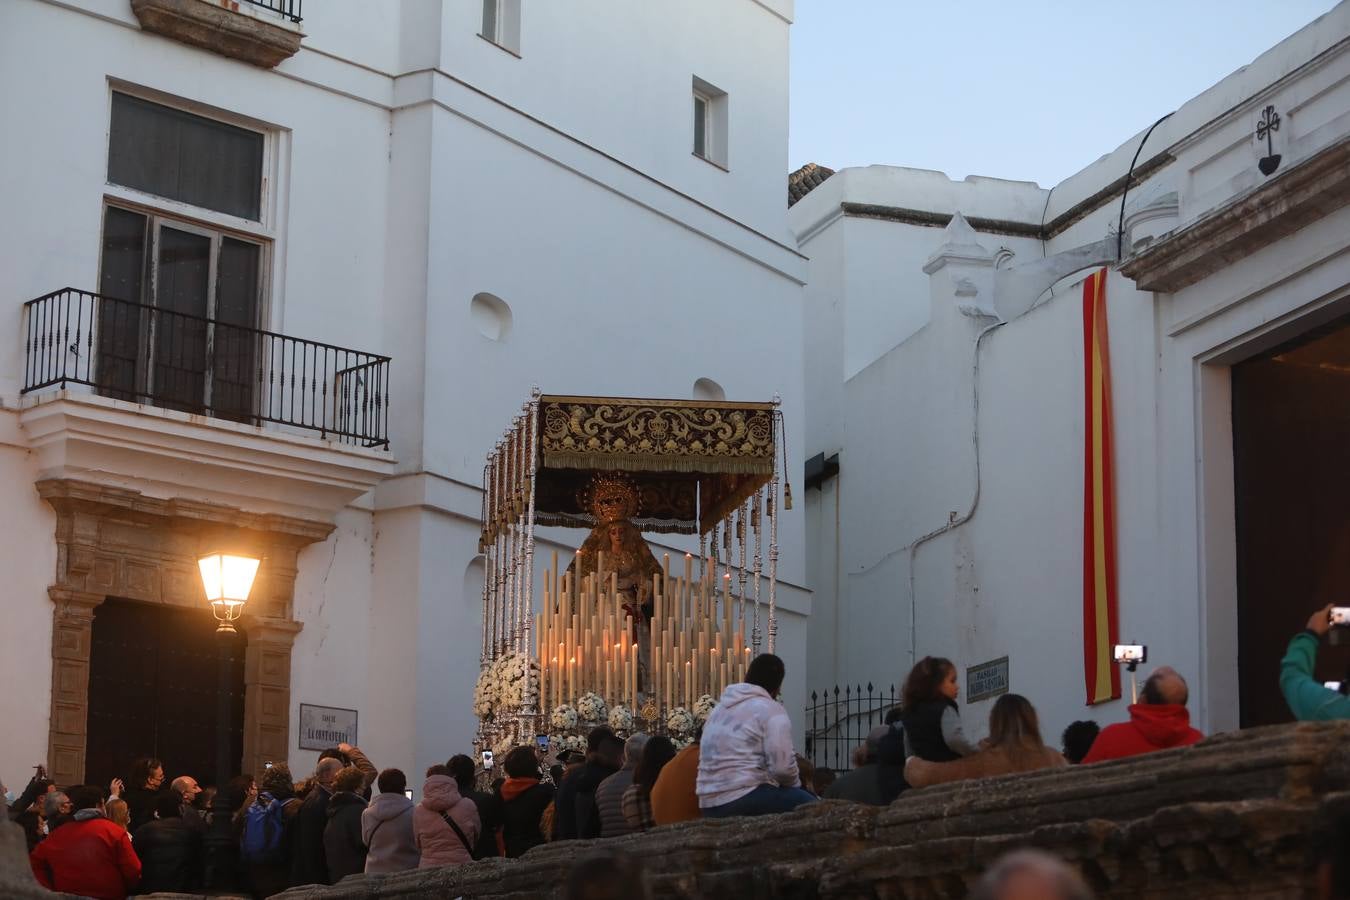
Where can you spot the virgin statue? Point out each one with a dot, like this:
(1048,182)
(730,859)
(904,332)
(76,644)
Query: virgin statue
(613,502)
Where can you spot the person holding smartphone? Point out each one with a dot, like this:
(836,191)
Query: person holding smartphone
(1308,699)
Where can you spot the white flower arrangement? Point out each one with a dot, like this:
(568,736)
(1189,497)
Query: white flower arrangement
(511,679)
(484,695)
(591,707)
(680,722)
(501,686)
(621,719)
(703,707)
(502,747)
(569,742)
(563,718)
(681,743)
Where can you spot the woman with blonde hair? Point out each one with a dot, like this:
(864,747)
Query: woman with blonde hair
(116,810)
(1014,745)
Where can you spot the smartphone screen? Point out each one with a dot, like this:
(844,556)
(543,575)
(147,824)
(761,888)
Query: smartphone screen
(487,759)
(408,794)
(542,741)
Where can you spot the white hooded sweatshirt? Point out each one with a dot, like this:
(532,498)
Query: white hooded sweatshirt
(747,741)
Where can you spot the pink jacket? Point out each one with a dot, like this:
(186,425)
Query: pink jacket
(439,844)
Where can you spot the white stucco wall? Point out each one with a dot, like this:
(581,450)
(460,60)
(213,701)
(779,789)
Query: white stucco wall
(411,165)
(997,561)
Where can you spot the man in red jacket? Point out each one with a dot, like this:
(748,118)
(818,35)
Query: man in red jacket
(89,856)
(1157,722)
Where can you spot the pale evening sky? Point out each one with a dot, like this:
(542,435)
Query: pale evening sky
(1024,89)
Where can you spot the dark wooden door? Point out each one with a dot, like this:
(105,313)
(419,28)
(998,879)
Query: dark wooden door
(1291,455)
(154,675)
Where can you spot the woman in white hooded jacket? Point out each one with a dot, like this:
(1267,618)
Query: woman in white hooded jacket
(746,764)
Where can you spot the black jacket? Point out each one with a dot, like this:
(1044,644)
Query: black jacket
(342,844)
(520,818)
(308,865)
(490,814)
(140,806)
(587,814)
(171,856)
(923,727)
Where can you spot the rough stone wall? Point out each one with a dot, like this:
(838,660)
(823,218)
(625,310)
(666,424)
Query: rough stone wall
(1230,817)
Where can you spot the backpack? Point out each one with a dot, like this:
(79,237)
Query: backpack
(264,826)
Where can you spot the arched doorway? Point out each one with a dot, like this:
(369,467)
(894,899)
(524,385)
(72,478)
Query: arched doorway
(155,679)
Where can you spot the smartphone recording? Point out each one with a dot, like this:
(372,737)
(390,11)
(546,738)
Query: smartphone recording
(1131,653)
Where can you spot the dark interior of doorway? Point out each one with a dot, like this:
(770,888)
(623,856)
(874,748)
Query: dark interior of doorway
(154,675)
(1291,455)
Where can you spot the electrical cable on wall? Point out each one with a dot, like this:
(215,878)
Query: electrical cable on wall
(1125,192)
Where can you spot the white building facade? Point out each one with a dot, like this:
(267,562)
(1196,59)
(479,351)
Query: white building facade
(428,207)
(945,399)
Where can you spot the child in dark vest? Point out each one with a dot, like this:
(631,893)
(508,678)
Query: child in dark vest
(931,718)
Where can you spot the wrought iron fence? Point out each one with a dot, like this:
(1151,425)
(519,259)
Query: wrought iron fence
(838,720)
(170,359)
(289,9)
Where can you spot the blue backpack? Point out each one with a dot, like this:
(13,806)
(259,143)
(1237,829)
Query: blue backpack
(264,827)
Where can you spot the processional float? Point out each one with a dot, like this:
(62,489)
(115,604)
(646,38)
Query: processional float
(619,637)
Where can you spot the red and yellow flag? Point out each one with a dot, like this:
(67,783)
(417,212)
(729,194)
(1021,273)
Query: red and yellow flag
(1100,617)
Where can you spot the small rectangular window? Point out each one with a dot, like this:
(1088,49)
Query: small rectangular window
(710,123)
(491,19)
(501,24)
(701,125)
(186,157)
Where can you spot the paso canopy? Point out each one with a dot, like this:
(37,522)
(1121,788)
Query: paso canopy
(692,461)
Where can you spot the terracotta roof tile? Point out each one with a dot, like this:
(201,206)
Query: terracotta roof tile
(805,180)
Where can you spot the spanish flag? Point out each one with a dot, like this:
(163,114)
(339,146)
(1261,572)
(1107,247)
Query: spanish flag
(1100,617)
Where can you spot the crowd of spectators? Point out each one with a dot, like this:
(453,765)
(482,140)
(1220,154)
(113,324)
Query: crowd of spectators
(262,837)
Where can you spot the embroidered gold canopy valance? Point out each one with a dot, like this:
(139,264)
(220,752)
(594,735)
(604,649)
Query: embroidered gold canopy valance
(692,462)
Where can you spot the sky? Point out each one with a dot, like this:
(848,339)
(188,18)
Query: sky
(1031,90)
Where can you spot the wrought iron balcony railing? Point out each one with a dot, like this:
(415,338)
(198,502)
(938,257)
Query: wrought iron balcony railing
(288,9)
(173,360)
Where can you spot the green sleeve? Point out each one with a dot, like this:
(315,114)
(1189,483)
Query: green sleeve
(1308,700)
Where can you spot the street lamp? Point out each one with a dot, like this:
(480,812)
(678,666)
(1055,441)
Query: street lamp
(227,579)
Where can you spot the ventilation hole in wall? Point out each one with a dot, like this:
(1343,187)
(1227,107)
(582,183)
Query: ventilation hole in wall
(491,316)
(707,389)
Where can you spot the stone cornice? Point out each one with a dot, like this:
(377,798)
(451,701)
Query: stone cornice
(69,495)
(1286,203)
(159,452)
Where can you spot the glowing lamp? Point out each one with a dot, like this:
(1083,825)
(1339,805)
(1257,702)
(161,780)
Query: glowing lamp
(227,579)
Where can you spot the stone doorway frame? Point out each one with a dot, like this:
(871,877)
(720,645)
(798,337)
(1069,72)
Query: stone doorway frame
(114,542)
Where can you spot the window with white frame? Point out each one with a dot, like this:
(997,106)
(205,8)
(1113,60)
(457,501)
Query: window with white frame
(192,284)
(501,24)
(710,123)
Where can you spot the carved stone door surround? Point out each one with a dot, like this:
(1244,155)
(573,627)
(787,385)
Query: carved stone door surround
(114,542)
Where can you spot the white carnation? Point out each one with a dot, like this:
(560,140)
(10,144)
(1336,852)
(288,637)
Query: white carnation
(680,722)
(591,707)
(564,718)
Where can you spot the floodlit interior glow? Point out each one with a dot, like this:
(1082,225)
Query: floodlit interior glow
(227,578)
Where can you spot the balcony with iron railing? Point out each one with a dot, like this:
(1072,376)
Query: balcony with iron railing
(141,392)
(287,9)
(159,357)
